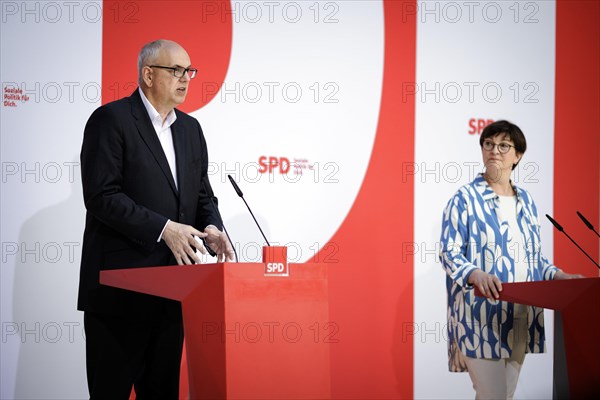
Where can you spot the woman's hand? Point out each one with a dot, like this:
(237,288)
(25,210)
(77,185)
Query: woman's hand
(489,285)
(563,275)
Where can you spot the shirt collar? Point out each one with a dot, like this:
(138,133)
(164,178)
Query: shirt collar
(486,191)
(154,115)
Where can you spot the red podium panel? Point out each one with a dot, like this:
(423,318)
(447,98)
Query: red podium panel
(578,301)
(248,336)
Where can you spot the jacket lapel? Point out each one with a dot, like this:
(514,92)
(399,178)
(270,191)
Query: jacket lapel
(178,132)
(148,134)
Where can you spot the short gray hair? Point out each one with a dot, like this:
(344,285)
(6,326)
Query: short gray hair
(148,53)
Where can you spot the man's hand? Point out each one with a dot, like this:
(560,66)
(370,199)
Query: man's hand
(489,285)
(563,275)
(180,239)
(219,243)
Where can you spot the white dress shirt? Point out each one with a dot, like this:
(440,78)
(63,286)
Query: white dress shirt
(163,131)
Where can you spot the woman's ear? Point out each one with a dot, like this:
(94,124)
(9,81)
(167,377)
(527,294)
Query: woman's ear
(519,156)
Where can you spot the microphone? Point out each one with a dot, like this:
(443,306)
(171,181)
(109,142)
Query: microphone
(210,197)
(560,228)
(556,225)
(588,223)
(239,193)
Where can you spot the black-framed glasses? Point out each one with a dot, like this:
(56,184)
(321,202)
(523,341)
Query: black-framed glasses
(178,71)
(503,147)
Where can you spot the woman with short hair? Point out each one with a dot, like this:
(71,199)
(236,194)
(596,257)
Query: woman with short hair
(491,235)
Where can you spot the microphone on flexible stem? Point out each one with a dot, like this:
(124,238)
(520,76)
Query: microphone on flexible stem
(560,228)
(239,193)
(588,223)
(210,197)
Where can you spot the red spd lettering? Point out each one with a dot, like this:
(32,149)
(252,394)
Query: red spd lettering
(476,125)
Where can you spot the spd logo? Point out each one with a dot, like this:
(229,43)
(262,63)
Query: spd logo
(476,125)
(275,259)
(279,269)
(272,164)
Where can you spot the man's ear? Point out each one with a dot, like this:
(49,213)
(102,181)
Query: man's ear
(147,76)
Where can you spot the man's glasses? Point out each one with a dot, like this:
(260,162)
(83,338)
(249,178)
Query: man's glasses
(503,147)
(178,71)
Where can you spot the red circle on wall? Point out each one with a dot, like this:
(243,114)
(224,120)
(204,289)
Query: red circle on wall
(203,28)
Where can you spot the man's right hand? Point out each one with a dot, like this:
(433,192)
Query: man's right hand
(180,239)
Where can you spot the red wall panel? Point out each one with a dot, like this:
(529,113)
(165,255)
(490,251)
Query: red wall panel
(577,132)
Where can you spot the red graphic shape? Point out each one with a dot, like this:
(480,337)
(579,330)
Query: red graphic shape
(577,133)
(203,28)
(371,286)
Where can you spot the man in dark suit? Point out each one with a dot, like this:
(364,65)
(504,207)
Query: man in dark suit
(146,191)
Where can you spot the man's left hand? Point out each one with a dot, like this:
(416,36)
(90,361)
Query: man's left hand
(219,243)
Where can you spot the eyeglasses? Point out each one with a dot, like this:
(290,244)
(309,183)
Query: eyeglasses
(503,147)
(178,71)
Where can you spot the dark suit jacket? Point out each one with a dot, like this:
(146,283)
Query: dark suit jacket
(129,194)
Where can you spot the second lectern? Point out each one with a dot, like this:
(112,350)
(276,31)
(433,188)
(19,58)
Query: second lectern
(577,301)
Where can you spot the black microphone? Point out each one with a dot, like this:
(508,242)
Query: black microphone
(239,193)
(556,224)
(210,197)
(560,228)
(236,187)
(588,223)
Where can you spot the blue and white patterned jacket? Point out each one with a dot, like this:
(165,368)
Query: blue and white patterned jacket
(474,236)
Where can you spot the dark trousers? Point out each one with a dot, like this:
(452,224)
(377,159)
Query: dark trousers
(126,351)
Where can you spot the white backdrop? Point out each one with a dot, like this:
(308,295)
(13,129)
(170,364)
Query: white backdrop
(483,65)
(42,207)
